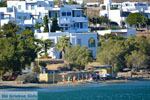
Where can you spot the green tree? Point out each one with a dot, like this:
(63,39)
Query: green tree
(120,52)
(72,3)
(103,7)
(137,59)
(63,44)
(138,52)
(78,57)
(16,52)
(3,4)
(54,26)
(46,28)
(112,52)
(9,30)
(27,33)
(57,2)
(136,19)
(36,69)
(38,25)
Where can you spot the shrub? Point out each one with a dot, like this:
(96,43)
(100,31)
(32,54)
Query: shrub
(36,69)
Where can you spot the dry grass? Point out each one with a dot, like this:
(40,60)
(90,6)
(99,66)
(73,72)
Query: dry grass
(93,12)
(54,66)
(48,59)
(144,33)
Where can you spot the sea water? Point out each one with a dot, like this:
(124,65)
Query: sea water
(122,91)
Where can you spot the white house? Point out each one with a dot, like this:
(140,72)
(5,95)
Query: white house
(131,6)
(123,32)
(35,7)
(25,13)
(70,18)
(81,39)
(123,9)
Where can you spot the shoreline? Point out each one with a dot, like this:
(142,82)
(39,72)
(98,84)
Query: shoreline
(13,85)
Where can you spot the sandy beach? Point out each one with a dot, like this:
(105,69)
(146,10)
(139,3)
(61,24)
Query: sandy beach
(14,84)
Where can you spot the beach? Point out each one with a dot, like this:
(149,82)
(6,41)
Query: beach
(14,84)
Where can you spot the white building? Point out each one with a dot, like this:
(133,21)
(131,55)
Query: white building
(25,13)
(81,39)
(70,18)
(123,32)
(132,6)
(35,7)
(122,10)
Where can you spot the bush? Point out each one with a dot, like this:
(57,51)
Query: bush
(104,7)
(36,69)
(28,78)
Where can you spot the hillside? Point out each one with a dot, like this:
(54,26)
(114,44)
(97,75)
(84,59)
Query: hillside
(101,1)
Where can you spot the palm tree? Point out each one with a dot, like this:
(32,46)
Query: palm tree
(63,44)
(46,44)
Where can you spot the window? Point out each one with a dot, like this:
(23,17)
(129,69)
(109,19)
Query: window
(79,42)
(68,13)
(9,10)
(25,17)
(72,26)
(32,7)
(27,7)
(19,6)
(91,42)
(77,25)
(63,13)
(85,25)
(19,17)
(66,26)
(81,25)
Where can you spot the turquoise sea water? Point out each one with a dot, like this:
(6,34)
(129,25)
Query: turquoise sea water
(123,91)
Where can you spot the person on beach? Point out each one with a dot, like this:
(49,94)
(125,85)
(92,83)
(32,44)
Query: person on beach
(86,76)
(104,77)
(97,76)
(91,77)
(74,78)
(68,78)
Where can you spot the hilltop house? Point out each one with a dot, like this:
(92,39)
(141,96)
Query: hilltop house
(25,13)
(70,18)
(118,12)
